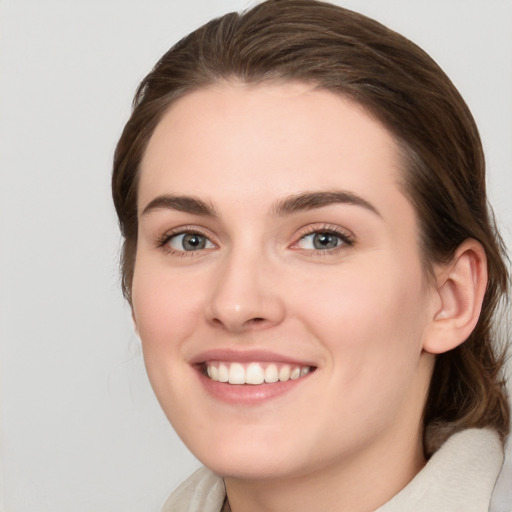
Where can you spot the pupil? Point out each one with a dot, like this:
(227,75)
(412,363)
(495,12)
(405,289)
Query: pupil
(325,241)
(193,241)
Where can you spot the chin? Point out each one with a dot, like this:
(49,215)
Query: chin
(250,458)
(257,468)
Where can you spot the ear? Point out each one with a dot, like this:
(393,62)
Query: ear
(460,287)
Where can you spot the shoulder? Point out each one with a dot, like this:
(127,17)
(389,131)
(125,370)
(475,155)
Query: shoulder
(459,476)
(203,491)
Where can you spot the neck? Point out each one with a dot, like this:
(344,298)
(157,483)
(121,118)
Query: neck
(354,484)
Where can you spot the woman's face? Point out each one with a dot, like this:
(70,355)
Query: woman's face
(275,243)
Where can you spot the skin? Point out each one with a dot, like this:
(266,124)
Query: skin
(348,437)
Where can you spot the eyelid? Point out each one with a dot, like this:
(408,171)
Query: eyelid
(347,237)
(162,242)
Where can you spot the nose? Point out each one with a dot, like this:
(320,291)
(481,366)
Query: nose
(245,295)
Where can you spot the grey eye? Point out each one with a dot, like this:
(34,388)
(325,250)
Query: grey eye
(190,242)
(320,241)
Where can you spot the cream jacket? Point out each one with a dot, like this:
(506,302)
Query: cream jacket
(459,477)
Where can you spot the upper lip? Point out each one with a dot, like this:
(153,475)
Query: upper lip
(246,356)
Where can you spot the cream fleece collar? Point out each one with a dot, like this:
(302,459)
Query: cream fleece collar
(459,477)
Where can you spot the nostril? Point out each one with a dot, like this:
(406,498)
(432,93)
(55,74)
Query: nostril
(255,322)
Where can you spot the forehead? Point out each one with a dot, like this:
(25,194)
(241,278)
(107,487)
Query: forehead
(243,142)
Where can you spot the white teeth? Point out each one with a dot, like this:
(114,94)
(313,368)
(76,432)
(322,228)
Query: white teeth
(254,373)
(213,372)
(295,373)
(223,373)
(284,373)
(236,374)
(271,373)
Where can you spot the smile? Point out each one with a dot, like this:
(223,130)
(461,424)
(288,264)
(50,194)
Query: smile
(254,373)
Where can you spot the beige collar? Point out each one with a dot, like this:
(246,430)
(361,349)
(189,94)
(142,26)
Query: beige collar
(459,476)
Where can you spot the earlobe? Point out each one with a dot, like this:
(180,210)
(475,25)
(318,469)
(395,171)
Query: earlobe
(461,287)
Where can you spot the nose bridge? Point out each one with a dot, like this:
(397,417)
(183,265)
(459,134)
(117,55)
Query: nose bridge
(243,295)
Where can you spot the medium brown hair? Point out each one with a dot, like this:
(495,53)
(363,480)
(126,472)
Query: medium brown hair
(398,83)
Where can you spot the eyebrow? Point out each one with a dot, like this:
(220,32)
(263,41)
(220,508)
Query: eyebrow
(186,204)
(312,200)
(292,204)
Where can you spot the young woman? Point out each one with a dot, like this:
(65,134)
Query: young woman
(312,267)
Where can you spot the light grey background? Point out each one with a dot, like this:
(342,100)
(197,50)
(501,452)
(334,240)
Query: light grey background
(79,427)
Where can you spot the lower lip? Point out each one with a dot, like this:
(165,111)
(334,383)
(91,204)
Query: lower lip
(249,394)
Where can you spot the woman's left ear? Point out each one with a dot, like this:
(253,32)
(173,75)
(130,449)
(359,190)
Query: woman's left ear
(460,286)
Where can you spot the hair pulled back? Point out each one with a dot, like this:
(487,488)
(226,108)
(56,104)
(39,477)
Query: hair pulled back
(400,85)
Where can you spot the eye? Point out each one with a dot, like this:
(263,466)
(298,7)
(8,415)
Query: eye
(186,242)
(323,241)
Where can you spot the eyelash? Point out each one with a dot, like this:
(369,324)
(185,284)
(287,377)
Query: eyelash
(346,239)
(163,241)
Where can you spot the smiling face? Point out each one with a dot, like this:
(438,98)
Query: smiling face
(277,252)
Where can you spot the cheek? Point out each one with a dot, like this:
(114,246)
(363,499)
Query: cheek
(369,316)
(371,325)
(166,307)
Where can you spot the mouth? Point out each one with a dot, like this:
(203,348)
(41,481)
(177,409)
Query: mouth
(249,378)
(253,373)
